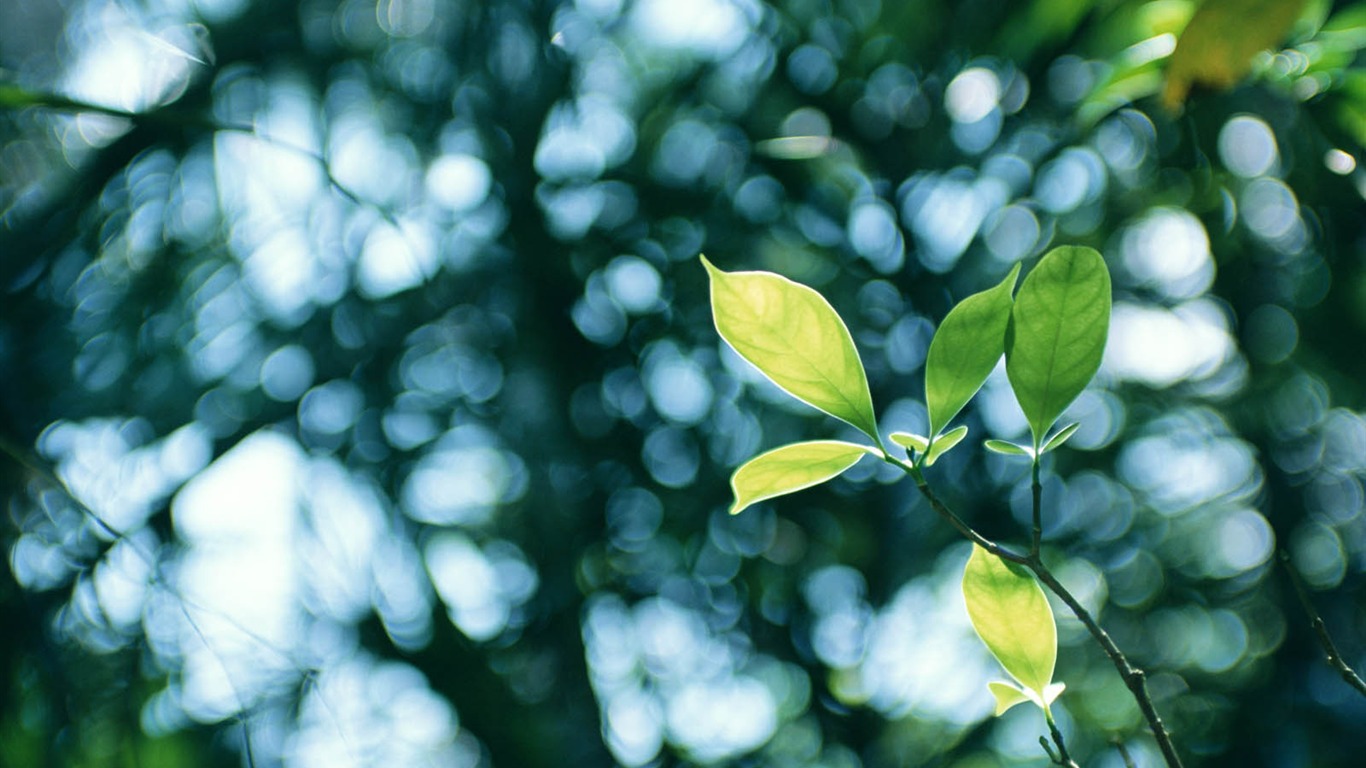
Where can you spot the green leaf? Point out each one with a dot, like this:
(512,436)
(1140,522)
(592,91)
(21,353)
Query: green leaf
(1012,616)
(1057,333)
(1059,437)
(1217,46)
(945,443)
(794,337)
(792,468)
(910,440)
(964,350)
(1008,448)
(1007,696)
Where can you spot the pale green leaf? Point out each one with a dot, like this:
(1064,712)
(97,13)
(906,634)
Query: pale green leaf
(910,440)
(1052,692)
(1057,333)
(1008,448)
(966,347)
(1059,437)
(1012,616)
(792,334)
(792,468)
(945,443)
(1007,696)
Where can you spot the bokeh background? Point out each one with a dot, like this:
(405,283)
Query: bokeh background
(361,405)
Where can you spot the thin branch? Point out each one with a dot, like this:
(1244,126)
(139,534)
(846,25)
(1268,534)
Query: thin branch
(1133,677)
(1330,649)
(957,522)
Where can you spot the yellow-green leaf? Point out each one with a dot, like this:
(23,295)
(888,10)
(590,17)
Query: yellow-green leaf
(910,440)
(1217,46)
(1012,616)
(1008,448)
(792,468)
(794,337)
(945,443)
(1007,696)
(1059,437)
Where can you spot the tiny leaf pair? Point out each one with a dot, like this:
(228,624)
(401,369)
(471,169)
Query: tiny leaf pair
(1011,615)
(1011,449)
(941,445)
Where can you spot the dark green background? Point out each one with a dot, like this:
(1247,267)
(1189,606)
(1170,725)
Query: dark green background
(114,248)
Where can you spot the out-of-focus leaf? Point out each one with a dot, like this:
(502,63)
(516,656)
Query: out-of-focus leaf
(945,443)
(1044,22)
(1011,615)
(966,347)
(792,334)
(1057,333)
(1346,29)
(796,147)
(1218,44)
(792,468)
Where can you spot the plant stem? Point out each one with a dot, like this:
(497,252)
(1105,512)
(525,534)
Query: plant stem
(1330,648)
(957,522)
(1133,677)
(1037,490)
(1062,758)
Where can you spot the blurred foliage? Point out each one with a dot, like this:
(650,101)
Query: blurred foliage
(363,406)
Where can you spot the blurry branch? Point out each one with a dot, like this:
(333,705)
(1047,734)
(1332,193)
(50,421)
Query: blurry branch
(15,98)
(1124,753)
(186,603)
(1133,677)
(1330,649)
